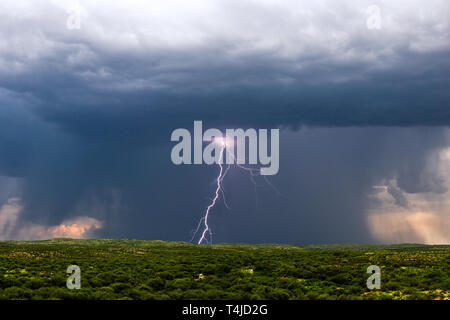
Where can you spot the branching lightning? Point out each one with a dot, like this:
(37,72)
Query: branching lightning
(214,200)
(206,234)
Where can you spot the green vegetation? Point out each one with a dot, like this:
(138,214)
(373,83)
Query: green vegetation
(134,269)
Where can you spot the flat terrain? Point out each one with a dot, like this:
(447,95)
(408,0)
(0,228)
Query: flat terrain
(135,269)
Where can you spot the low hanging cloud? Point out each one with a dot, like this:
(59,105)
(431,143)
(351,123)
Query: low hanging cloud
(78,228)
(410,227)
(420,216)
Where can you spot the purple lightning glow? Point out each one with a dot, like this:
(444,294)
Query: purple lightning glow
(213,203)
(219,190)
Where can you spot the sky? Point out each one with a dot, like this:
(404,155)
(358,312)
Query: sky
(90,93)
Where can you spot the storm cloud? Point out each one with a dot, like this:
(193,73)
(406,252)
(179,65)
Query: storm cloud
(86,114)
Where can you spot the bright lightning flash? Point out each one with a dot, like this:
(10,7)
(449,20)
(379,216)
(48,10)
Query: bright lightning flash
(222,173)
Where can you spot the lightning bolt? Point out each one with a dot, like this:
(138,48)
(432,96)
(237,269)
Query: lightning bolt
(214,200)
(219,190)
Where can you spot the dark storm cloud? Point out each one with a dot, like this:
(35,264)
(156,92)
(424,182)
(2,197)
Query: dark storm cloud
(86,114)
(287,68)
(326,176)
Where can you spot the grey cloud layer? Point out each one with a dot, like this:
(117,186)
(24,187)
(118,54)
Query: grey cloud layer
(86,115)
(271,62)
